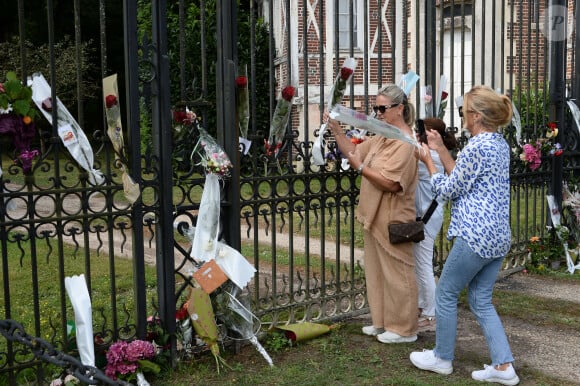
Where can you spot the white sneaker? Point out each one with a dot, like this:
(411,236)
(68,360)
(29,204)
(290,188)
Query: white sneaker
(426,360)
(491,374)
(372,330)
(391,337)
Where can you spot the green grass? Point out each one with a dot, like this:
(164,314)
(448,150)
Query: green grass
(341,357)
(345,357)
(51,272)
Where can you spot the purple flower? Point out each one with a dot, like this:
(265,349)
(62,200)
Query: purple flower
(123,357)
(139,349)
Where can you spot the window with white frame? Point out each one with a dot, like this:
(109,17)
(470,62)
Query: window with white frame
(343,29)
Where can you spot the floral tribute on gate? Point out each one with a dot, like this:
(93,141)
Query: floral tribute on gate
(243,109)
(280,119)
(17,113)
(532,153)
(129,360)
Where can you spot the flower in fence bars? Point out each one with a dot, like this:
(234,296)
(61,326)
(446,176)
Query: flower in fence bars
(243,105)
(279,121)
(213,158)
(17,113)
(531,153)
(125,359)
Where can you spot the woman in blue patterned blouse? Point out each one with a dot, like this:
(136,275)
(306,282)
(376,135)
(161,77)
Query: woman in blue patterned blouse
(478,185)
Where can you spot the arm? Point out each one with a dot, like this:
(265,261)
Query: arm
(344,144)
(436,143)
(379,181)
(348,148)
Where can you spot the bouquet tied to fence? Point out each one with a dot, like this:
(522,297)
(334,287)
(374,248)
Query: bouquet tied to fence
(279,121)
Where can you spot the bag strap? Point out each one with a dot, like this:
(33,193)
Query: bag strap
(430,211)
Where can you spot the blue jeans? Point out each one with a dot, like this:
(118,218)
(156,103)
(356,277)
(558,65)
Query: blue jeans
(464,267)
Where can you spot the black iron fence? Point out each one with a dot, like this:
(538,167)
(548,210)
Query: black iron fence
(292,219)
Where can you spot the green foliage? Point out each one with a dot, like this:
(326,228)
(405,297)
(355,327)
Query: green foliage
(18,96)
(66,65)
(276,342)
(196,86)
(533,105)
(549,248)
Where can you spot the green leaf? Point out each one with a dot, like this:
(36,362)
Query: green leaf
(147,366)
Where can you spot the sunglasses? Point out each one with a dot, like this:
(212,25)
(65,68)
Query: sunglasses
(383,108)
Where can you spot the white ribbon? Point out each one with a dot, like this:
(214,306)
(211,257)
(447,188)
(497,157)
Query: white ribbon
(71,134)
(76,288)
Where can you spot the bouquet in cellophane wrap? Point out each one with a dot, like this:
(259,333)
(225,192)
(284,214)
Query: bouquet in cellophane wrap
(213,158)
(336,94)
(279,121)
(243,109)
(115,134)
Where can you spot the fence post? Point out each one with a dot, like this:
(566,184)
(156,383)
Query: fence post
(227,132)
(134,140)
(162,145)
(557,89)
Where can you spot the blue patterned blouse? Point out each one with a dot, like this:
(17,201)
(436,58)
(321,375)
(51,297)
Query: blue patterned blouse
(479,189)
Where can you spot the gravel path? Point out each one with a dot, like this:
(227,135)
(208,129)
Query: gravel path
(549,350)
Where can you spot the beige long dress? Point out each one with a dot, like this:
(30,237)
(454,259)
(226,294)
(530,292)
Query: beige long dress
(389,268)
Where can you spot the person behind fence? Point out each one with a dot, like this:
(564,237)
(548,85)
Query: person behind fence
(478,186)
(387,194)
(423,250)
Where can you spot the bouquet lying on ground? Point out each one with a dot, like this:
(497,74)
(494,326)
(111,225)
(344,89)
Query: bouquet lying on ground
(336,95)
(125,360)
(279,121)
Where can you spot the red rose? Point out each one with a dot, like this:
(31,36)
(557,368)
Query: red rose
(241,81)
(179,116)
(552,126)
(110,101)
(558,152)
(288,93)
(444,95)
(345,73)
(181,313)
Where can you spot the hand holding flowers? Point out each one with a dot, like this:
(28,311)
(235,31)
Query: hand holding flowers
(336,94)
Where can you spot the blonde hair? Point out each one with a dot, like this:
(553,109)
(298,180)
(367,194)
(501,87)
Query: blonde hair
(495,109)
(397,95)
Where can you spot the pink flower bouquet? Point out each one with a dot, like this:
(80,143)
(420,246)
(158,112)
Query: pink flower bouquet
(125,360)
